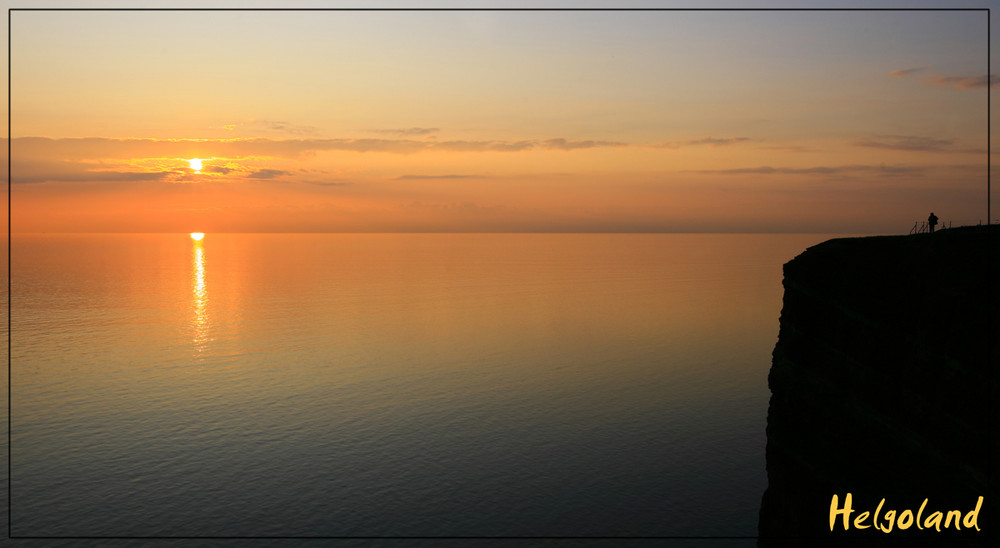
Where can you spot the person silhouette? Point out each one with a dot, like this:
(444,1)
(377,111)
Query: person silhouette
(931,221)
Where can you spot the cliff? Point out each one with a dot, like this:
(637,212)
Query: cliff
(881,385)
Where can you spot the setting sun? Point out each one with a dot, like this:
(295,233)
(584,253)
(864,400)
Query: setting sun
(195,163)
(197,235)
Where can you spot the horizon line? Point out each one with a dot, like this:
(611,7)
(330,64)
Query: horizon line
(442,232)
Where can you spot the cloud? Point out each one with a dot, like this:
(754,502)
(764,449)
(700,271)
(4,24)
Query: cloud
(705,141)
(328,183)
(272,125)
(422,177)
(487,146)
(905,72)
(217,169)
(914,143)
(819,170)
(789,148)
(711,141)
(563,144)
(904,142)
(39,171)
(957,82)
(409,146)
(90,176)
(287,127)
(268,174)
(411,131)
(127,150)
(965,82)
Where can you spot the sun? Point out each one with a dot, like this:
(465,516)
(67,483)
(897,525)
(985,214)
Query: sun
(195,164)
(197,235)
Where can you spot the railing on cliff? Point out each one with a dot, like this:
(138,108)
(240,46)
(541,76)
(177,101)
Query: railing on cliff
(920,227)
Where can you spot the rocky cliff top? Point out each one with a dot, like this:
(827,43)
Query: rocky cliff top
(881,380)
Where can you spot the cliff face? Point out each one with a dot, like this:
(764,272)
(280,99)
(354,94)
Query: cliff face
(880,384)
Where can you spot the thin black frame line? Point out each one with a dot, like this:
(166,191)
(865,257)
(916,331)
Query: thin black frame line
(9,254)
(408,538)
(501,9)
(10,471)
(970,536)
(990,266)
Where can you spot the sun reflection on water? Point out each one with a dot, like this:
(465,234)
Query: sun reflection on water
(200,297)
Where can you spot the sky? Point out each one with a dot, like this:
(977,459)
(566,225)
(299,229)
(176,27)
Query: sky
(498,121)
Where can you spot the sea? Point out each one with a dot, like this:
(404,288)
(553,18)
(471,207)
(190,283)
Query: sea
(412,386)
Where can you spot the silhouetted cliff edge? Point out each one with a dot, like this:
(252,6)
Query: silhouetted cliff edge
(880,387)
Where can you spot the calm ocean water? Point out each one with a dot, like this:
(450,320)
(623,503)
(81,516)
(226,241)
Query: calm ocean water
(392,385)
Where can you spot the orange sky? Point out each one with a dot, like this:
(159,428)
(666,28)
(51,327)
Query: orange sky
(497,121)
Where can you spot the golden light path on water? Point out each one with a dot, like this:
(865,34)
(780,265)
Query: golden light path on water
(199,296)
